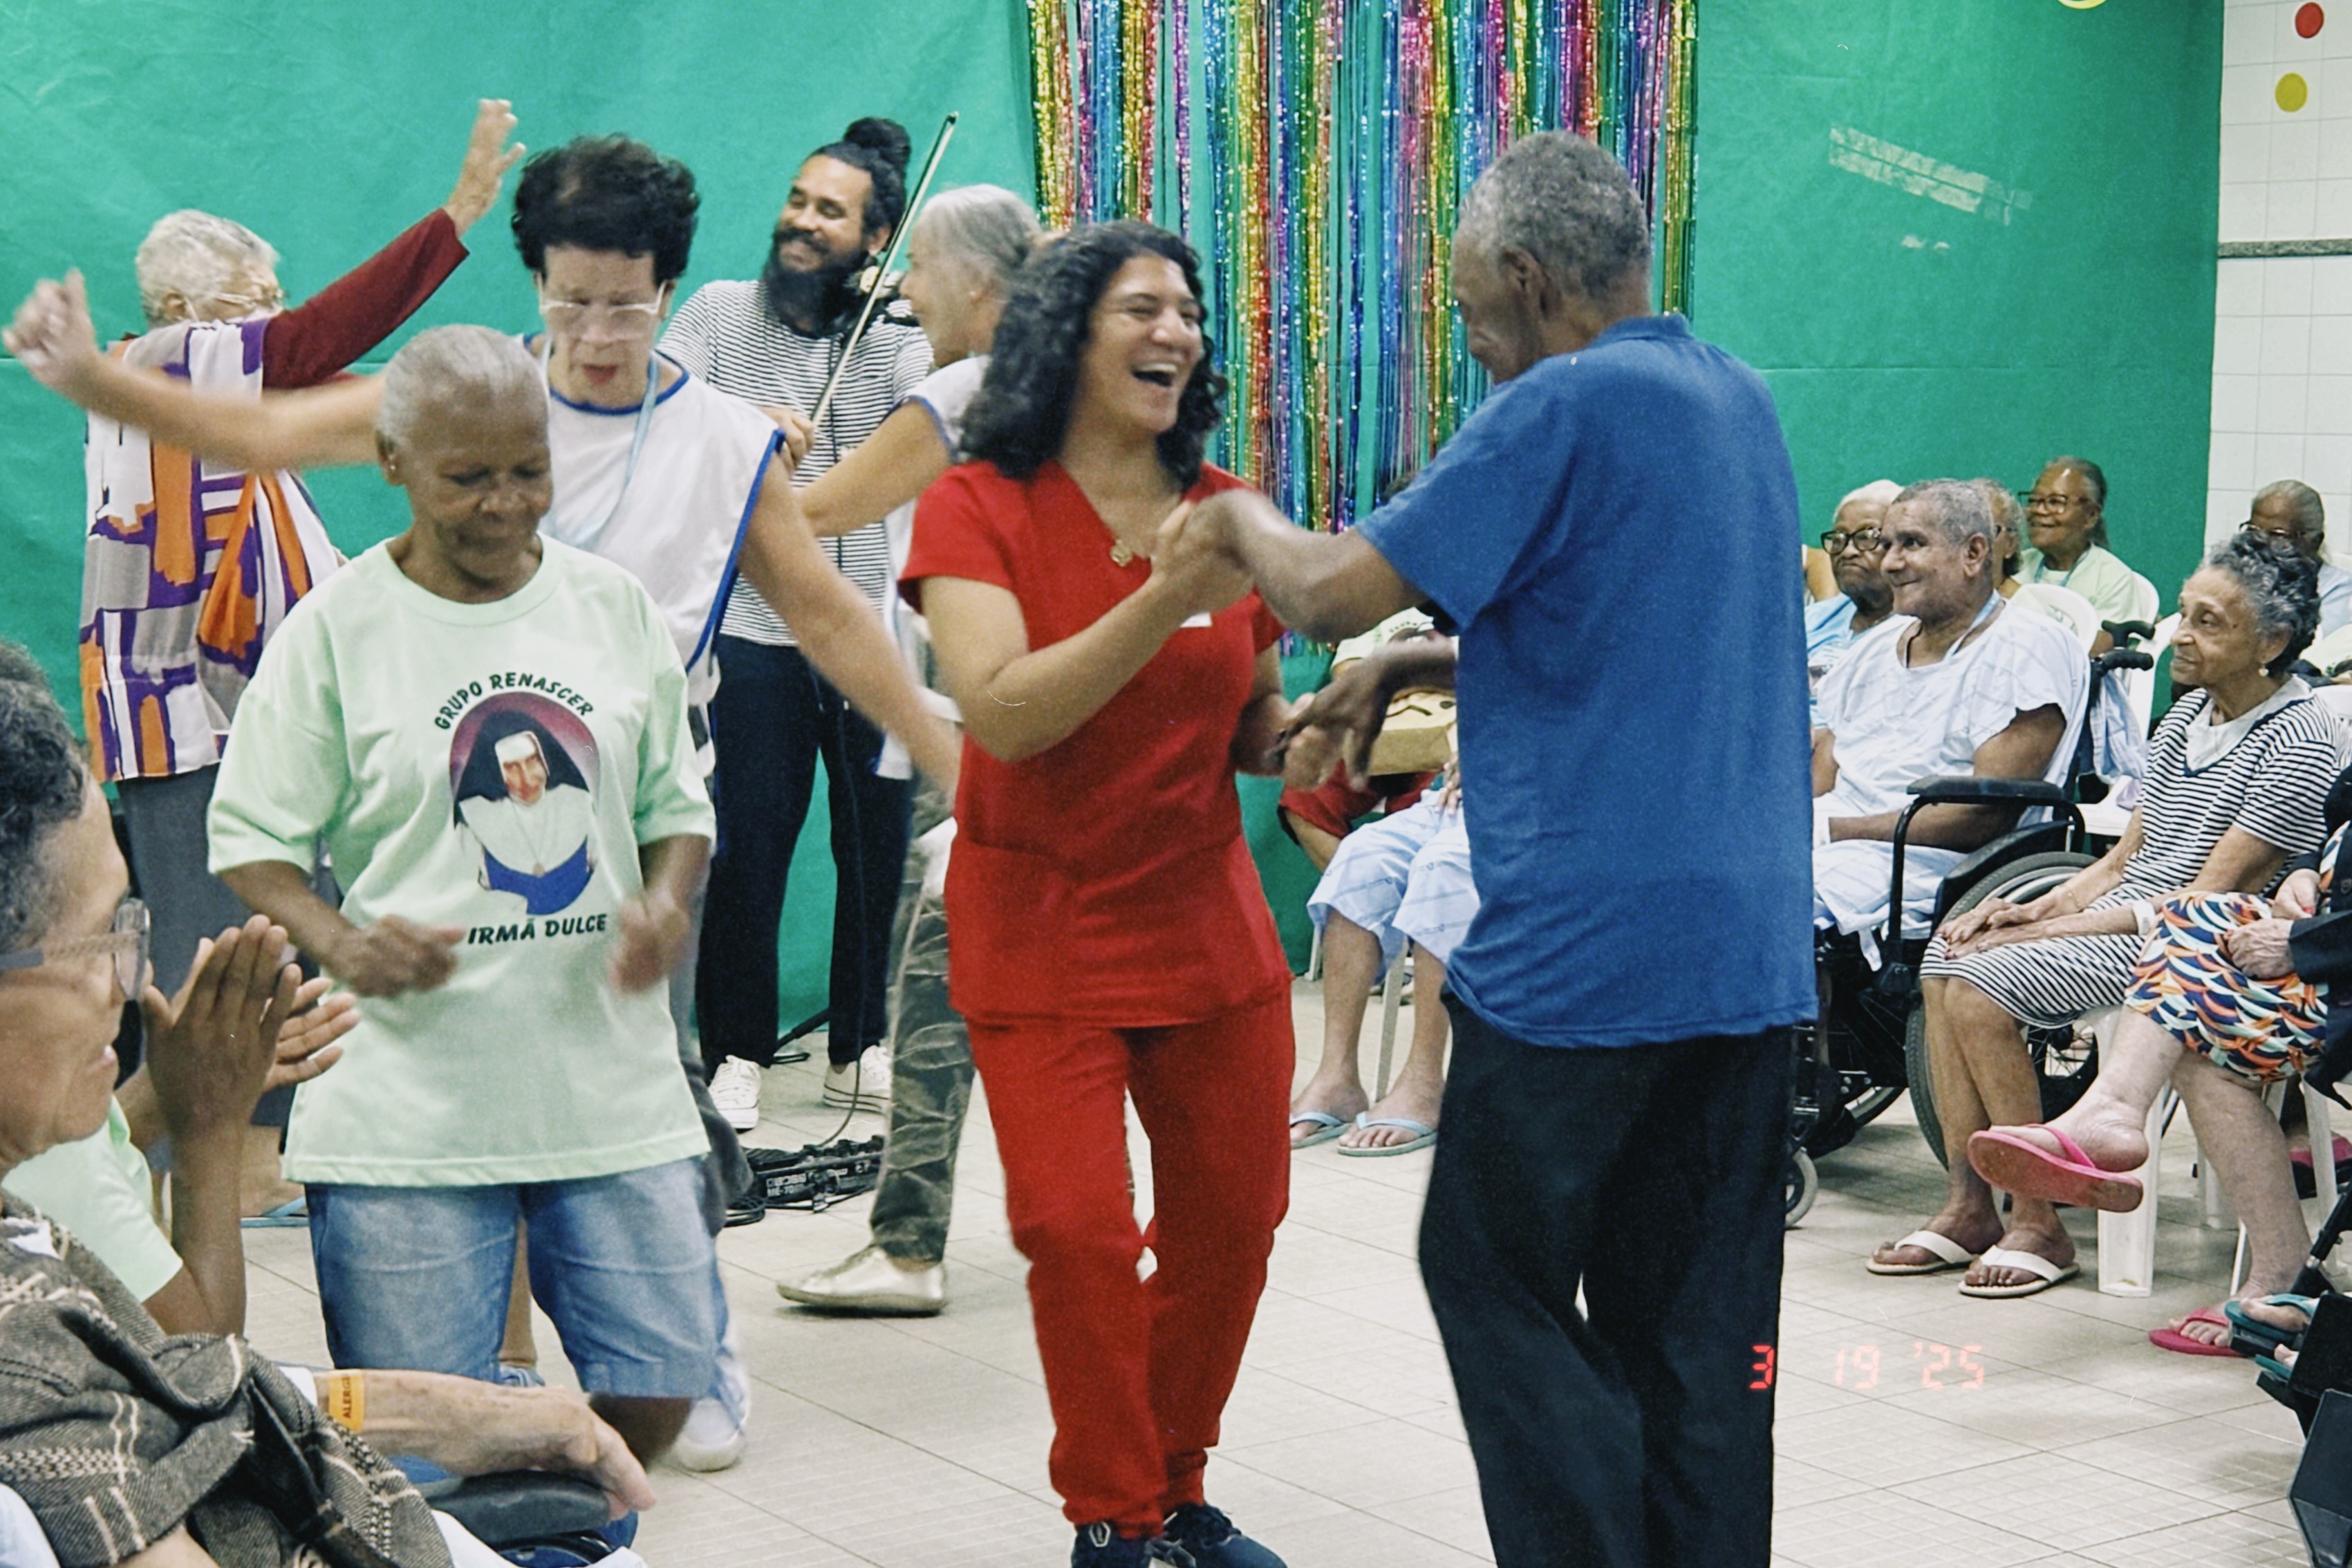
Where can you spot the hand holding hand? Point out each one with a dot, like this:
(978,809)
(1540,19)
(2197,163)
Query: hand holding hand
(210,1049)
(2260,949)
(1347,713)
(1990,915)
(798,432)
(2298,896)
(394,956)
(653,933)
(488,159)
(1189,564)
(52,336)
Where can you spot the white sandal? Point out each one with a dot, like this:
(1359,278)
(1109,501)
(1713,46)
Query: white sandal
(1950,1255)
(2045,1273)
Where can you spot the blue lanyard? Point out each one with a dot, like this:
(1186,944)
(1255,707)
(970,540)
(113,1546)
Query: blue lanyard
(585,538)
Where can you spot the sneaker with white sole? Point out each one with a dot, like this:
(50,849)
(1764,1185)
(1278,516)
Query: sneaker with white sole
(735,1091)
(869,1281)
(861,1085)
(713,1436)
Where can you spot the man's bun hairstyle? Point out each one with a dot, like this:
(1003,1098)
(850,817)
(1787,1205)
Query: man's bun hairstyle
(881,148)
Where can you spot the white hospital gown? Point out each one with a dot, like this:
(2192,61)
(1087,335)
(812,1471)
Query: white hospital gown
(1894,725)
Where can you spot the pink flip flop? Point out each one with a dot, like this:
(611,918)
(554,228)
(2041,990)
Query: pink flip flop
(2026,1170)
(2171,1338)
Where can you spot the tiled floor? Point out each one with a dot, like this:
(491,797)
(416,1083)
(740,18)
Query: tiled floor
(915,1443)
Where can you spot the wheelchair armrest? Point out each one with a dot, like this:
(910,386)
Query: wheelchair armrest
(515,1507)
(1967,789)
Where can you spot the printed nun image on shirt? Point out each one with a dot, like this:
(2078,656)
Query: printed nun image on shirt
(522,772)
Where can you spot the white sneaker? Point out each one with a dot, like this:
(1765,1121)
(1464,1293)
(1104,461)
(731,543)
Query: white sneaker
(868,1282)
(735,1091)
(713,1437)
(863,1085)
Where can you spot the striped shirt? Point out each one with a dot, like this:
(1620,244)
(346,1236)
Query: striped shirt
(725,334)
(2273,781)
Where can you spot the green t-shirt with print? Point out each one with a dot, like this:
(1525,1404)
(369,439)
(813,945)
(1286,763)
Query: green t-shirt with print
(98,1188)
(492,767)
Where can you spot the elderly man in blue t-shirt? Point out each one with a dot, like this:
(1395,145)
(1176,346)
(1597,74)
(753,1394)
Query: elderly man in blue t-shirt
(1615,1116)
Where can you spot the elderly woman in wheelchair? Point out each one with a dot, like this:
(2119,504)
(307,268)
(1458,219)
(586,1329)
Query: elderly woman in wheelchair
(2238,772)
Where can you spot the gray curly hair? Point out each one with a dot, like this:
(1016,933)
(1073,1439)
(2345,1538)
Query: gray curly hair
(42,782)
(1565,203)
(2282,587)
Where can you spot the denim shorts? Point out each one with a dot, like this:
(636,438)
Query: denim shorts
(417,1277)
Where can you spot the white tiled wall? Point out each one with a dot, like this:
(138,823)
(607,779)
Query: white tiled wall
(2283,325)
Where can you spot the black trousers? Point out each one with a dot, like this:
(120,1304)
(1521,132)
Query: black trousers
(1638,1431)
(772,718)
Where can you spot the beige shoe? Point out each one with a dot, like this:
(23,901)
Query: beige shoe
(869,1282)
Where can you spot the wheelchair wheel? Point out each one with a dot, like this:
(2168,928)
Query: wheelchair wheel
(2018,881)
(1800,1184)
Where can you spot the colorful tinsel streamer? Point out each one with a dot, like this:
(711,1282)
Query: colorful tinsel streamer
(1339,137)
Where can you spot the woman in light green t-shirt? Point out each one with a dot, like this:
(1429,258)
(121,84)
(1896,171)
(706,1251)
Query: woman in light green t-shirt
(487,730)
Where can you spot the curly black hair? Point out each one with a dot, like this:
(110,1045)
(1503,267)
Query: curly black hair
(41,783)
(606,192)
(1022,411)
(881,148)
(2281,585)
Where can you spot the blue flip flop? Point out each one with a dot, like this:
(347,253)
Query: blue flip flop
(1423,1135)
(1326,1127)
(292,1212)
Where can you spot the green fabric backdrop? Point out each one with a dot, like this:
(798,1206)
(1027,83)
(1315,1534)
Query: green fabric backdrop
(328,128)
(1906,337)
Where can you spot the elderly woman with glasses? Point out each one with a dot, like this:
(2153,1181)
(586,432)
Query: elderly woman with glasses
(136,1445)
(182,582)
(2292,510)
(2066,528)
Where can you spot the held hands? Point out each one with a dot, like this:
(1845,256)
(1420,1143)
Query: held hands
(488,159)
(52,336)
(2260,948)
(652,932)
(1337,725)
(394,956)
(1191,560)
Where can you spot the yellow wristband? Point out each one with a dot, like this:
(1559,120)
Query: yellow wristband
(343,1395)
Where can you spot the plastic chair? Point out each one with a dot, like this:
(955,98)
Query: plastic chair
(2146,600)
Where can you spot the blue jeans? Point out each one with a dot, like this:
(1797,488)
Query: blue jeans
(417,1277)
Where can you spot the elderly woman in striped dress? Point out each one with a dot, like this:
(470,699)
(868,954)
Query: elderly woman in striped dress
(2238,773)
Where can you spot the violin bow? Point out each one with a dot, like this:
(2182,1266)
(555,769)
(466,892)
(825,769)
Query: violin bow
(881,278)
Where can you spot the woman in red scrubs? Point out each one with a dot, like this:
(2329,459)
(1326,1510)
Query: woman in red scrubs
(1108,934)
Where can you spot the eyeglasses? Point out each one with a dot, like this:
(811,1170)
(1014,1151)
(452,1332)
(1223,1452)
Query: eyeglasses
(263,301)
(126,944)
(2035,502)
(1862,542)
(622,321)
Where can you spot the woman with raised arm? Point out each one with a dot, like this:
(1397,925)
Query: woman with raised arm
(1111,939)
(962,253)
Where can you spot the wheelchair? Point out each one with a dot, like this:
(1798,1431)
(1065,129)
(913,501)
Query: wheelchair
(1868,1042)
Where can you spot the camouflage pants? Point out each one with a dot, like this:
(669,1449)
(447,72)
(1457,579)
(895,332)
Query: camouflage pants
(930,1068)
